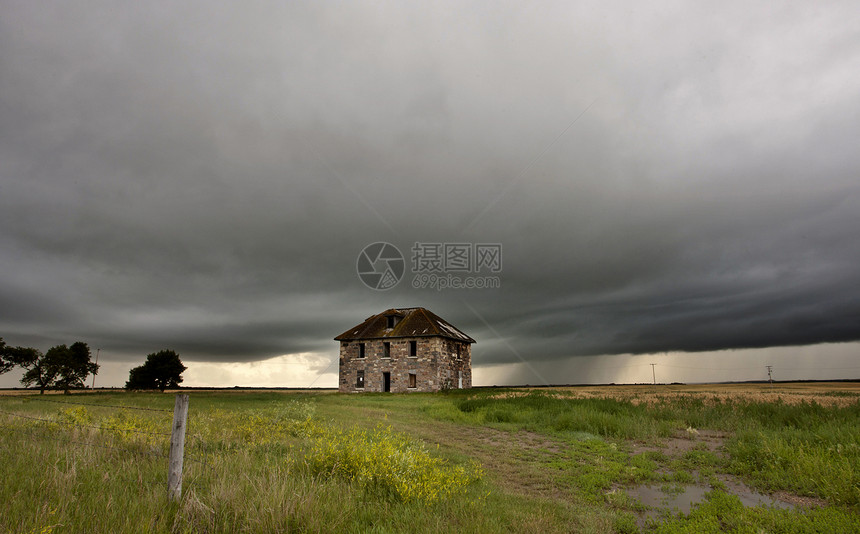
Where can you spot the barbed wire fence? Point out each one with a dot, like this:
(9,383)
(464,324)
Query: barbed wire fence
(176,455)
(177,452)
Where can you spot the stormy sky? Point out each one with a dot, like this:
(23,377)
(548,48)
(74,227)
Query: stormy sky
(670,180)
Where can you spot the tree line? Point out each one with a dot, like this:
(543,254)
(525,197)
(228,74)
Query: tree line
(67,367)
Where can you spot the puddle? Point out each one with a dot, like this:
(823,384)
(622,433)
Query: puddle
(655,499)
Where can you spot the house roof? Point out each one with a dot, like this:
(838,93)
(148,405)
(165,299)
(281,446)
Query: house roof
(413,322)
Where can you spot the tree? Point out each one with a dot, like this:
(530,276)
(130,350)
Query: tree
(73,366)
(16,356)
(162,370)
(62,367)
(6,364)
(40,373)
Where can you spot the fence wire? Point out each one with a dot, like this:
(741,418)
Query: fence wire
(82,425)
(188,458)
(89,444)
(32,437)
(204,460)
(38,399)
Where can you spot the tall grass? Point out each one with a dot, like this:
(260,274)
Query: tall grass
(804,448)
(544,412)
(267,467)
(721,512)
(820,461)
(275,462)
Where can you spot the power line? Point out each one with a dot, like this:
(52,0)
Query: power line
(816,368)
(709,368)
(696,368)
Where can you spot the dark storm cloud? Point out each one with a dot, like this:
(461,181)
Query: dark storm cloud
(203,177)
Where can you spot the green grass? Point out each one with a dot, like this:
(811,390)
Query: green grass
(804,448)
(722,512)
(473,461)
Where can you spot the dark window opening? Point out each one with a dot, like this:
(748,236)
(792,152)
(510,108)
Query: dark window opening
(386,350)
(458,351)
(391,321)
(359,379)
(413,380)
(413,348)
(361,350)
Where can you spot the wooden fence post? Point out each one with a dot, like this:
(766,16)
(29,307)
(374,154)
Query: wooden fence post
(177,448)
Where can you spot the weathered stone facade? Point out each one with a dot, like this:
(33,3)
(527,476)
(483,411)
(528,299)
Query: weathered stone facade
(418,354)
(437,365)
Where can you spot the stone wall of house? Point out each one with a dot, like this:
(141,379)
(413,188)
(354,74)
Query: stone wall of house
(436,365)
(455,364)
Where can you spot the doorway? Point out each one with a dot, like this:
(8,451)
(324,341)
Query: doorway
(386,382)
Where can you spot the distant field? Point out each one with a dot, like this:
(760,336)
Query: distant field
(826,393)
(787,390)
(750,458)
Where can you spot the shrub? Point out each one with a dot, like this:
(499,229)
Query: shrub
(388,463)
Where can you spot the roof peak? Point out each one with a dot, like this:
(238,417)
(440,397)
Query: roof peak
(415,322)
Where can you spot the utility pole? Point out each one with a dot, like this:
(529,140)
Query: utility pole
(769,374)
(93,387)
(654,373)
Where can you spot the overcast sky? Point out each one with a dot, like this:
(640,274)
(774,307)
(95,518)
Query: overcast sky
(676,179)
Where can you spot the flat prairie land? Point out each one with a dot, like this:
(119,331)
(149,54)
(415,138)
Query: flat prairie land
(644,458)
(824,393)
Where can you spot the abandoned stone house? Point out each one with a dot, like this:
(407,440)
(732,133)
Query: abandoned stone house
(404,349)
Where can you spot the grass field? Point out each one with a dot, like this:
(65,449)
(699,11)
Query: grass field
(485,460)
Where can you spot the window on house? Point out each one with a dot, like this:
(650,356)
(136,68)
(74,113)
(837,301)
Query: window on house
(386,350)
(361,350)
(413,380)
(413,348)
(392,320)
(359,379)
(457,350)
